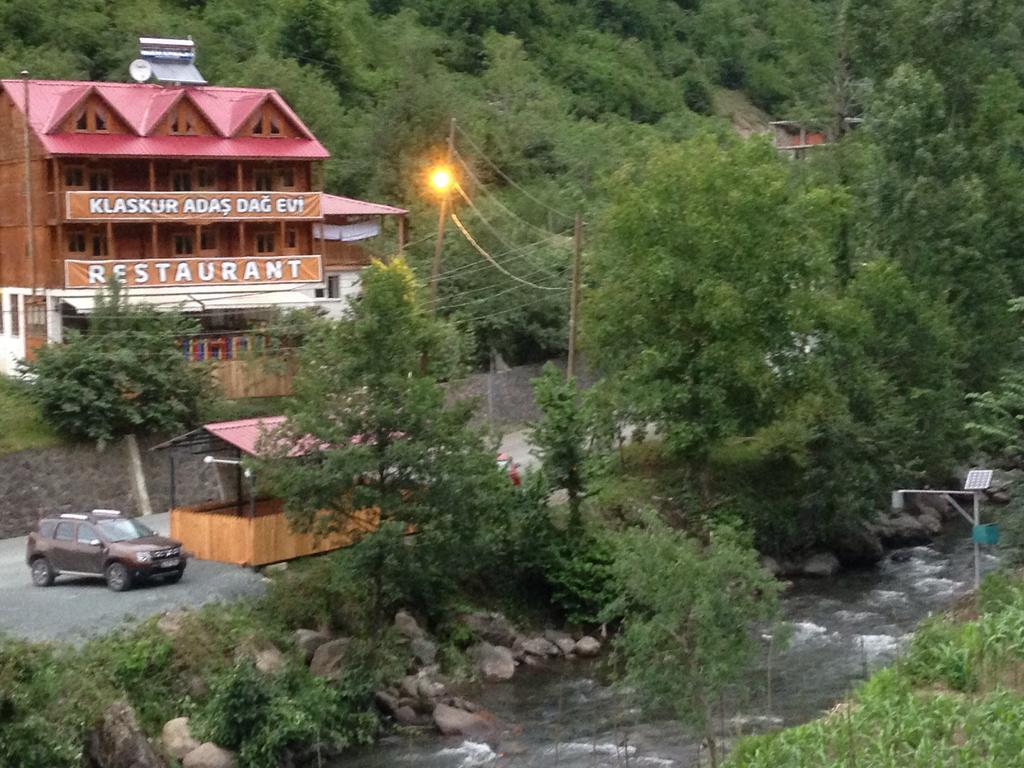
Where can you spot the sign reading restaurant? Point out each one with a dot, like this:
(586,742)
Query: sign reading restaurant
(179,206)
(158,273)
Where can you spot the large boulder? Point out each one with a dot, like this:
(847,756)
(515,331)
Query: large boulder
(308,640)
(264,655)
(423,650)
(493,628)
(562,640)
(457,722)
(823,565)
(428,688)
(859,547)
(588,647)
(539,646)
(408,627)
(209,755)
(495,662)
(901,530)
(176,738)
(330,658)
(931,521)
(118,741)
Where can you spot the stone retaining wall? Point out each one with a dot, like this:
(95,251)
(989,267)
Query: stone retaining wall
(46,481)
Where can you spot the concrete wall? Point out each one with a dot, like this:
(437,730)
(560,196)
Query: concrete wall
(505,397)
(48,481)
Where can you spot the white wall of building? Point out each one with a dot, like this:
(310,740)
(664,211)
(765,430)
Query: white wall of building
(12,346)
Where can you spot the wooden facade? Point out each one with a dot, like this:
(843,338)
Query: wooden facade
(217,531)
(202,196)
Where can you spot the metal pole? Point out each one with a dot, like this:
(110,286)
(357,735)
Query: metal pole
(29,234)
(442,217)
(574,304)
(977,547)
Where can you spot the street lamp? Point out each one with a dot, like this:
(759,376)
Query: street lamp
(977,482)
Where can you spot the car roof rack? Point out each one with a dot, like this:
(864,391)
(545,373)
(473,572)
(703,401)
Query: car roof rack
(107,512)
(73,516)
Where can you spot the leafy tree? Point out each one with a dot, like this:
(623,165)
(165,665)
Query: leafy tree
(560,436)
(124,375)
(689,610)
(367,394)
(706,273)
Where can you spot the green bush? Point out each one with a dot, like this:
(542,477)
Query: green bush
(268,718)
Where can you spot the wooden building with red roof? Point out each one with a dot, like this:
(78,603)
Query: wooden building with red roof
(197,197)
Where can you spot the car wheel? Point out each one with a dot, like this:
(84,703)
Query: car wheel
(118,578)
(42,573)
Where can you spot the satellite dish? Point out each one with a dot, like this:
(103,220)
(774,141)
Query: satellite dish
(140,70)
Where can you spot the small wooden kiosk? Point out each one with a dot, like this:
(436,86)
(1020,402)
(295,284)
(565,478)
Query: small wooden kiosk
(241,527)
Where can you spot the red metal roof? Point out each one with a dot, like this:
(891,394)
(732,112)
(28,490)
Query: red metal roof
(141,107)
(244,434)
(334,205)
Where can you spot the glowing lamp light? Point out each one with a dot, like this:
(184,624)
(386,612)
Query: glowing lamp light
(441,179)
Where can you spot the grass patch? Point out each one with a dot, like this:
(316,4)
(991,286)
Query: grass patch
(21,424)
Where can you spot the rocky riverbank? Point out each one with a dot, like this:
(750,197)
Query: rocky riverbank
(424,698)
(922,519)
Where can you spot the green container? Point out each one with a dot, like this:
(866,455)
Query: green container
(986,534)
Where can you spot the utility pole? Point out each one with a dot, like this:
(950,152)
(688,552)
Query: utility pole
(442,217)
(29,234)
(574,301)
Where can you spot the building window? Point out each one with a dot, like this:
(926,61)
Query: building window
(262,181)
(100,121)
(35,316)
(206,178)
(99,245)
(181,181)
(207,239)
(99,181)
(332,289)
(82,121)
(76,242)
(183,245)
(74,177)
(275,129)
(291,238)
(257,127)
(264,242)
(334,286)
(181,124)
(15,316)
(287,176)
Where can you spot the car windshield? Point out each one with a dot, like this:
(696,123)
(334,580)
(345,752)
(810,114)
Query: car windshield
(123,530)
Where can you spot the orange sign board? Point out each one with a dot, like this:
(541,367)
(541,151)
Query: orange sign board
(160,273)
(192,206)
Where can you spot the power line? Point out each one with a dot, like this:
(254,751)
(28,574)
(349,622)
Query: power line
(465,233)
(507,178)
(493,197)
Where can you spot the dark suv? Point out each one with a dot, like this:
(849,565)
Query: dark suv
(102,543)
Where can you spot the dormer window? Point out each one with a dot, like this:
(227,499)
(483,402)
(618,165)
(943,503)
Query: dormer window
(257,127)
(275,129)
(92,117)
(181,124)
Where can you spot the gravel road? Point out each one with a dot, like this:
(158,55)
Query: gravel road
(75,608)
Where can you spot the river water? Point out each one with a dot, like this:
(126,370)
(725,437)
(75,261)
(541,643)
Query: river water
(567,715)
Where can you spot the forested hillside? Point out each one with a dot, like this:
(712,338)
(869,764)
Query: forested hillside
(812,327)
